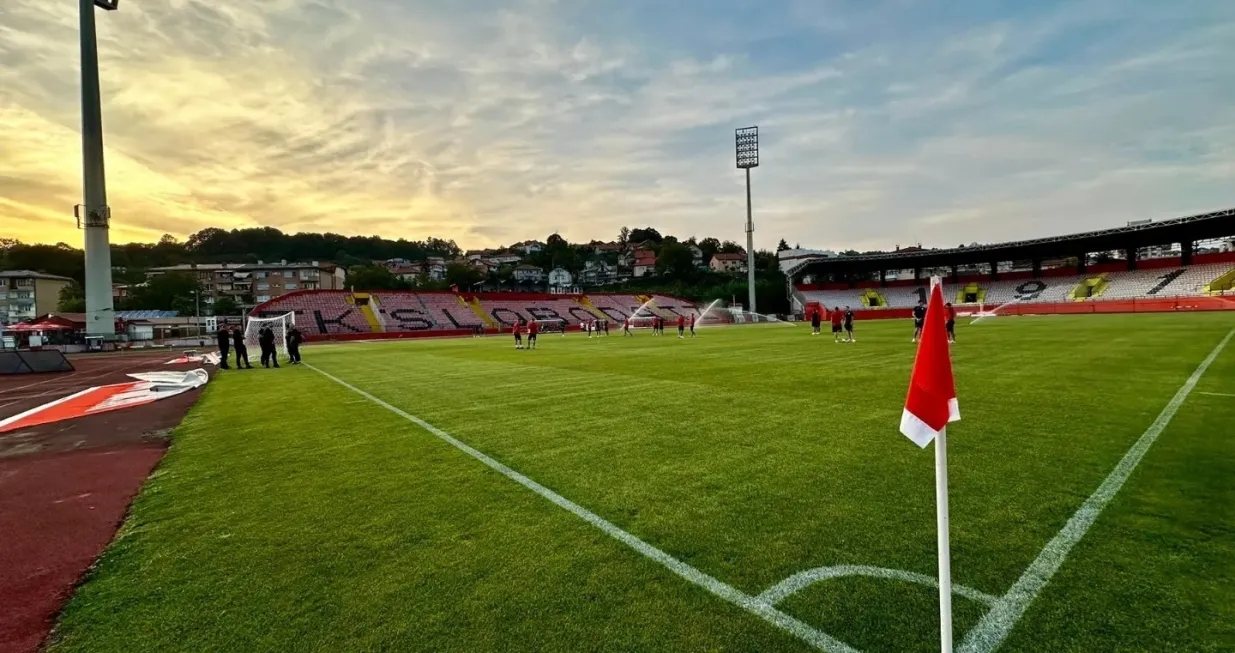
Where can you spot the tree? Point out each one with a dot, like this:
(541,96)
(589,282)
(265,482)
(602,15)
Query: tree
(782,245)
(730,247)
(72,299)
(675,261)
(172,291)
(623,236)
(639,236)
(226,306)
(463,275)
(709,247)
(374,277)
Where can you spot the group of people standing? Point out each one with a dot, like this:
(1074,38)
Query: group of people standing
(229,338)
(658,326)
(842,323)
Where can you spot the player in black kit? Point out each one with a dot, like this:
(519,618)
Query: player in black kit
(919,318)
(849,324)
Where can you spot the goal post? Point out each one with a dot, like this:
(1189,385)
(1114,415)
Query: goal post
(280,324)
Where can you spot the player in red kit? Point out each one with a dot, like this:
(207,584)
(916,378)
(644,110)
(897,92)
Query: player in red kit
(518,334)
(838,319)
(950,313)
(681,326)
(626,328)
(533,328)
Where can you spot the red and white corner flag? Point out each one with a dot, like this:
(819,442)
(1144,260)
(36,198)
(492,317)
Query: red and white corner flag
(930,406)
(931,403)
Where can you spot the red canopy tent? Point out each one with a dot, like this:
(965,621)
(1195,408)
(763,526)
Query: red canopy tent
(38,326)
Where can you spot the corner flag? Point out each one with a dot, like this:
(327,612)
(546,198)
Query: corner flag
(931,403)
(929,407)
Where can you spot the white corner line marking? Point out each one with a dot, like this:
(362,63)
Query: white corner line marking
(995,626)
(754,605)
(804,579)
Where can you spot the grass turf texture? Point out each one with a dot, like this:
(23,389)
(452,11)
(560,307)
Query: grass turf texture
(294,514)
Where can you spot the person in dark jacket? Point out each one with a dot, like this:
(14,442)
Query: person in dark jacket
(242,352)
(293,345)
(224,345)
(261,345)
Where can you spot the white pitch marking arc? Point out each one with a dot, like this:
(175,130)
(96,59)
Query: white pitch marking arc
(801,580)
(990,631)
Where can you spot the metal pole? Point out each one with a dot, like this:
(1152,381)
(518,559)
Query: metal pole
(750,248)
(944,548)
(197,310)
(100,312)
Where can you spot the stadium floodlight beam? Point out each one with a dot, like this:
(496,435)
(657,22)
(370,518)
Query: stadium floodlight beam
(95,217)
(746,141)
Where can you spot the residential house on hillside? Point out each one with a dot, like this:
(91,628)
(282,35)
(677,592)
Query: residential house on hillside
(644,263)
(696,255)
(728,262)
(600,247)
(528,247)
(411,273)
(560,278)
(599,272)
(528,274)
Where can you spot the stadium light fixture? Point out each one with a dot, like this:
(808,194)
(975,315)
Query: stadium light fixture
(746,146)
(95,215)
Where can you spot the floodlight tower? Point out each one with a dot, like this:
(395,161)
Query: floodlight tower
(94,215)
(747,146)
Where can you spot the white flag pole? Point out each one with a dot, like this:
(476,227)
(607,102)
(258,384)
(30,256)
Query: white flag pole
(942,532)
(945,548)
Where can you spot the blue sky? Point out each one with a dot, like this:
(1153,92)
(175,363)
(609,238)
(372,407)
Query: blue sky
(882,123)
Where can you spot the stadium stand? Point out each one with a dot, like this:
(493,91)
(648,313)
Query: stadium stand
(1156,282)
(343,314)
(334,313)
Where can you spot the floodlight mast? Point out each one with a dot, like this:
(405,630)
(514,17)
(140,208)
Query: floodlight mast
(746,140)
(96,216)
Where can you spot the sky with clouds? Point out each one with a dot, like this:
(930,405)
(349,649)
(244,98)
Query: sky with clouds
(882,122)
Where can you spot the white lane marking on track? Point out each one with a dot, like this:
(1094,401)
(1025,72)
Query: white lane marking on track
(993,628)
(754,605)
(801,580)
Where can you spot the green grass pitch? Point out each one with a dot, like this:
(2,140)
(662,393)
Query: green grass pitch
(295,514)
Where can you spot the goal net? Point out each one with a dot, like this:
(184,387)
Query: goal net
(642,322)
(280,325)
(557,325)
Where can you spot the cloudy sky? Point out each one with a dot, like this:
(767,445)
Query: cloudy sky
(485,121)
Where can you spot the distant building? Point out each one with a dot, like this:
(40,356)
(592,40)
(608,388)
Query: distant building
(264,281)
(696,255)
(599,272)
(25,294)
(560,278)
(528,247)
(728,262)
(643,262)
(600,247)
(529,274)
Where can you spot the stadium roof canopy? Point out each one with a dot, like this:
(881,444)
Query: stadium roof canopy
(1216,224)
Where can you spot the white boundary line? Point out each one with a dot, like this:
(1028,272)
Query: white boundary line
(985,637)
(1216,394)
(754,605)
(995,626)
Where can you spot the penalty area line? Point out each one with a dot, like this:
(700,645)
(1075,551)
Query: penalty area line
(751,604)
(999,621)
